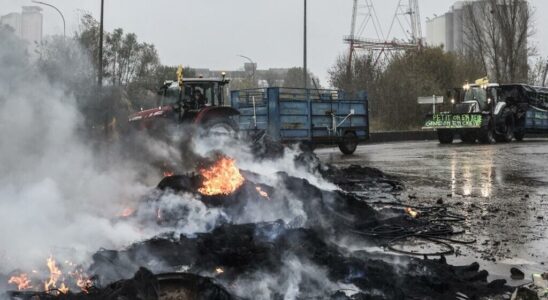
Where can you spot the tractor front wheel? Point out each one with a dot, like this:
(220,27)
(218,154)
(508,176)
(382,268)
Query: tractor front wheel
(221,127)
(445,136)
(487,134)
(469,137)
(508,130)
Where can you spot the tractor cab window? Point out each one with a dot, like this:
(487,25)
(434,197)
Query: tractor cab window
(205,93)
(478,94)
(169,95)
(196,94)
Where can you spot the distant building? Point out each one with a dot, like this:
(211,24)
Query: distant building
(13,20)
(448,30)
(476,28)
(265,78)
(27,24)
(31,24)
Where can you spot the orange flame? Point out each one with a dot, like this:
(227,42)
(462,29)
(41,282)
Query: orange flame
(54,274)
(52,286)
(221,178)
(63,289)
(22,281)
(168,173)
(128,211)
(411,212)
(261,192)
(82,280)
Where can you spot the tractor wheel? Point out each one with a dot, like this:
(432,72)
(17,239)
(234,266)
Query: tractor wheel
(221,127)
(445,136)
(487,134)
(508,130)
(349,143)
(468,137)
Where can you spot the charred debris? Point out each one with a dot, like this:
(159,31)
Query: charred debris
(323,240)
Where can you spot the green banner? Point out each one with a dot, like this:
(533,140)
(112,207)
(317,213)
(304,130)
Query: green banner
(444,120)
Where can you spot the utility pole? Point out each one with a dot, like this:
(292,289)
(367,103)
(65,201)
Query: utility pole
(305,72)
(106,107)
(100,75)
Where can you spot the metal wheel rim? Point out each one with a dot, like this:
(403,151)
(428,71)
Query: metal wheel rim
(350,142)
(220,129)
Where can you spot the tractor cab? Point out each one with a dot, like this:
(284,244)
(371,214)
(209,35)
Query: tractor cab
(474,98)
(194,93)
(198,101)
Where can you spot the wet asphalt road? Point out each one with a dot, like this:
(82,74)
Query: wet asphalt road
(502,190)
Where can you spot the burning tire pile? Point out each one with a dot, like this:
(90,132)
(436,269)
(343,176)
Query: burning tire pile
(270,237)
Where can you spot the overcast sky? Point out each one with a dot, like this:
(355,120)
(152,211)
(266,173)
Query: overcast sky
(211,33)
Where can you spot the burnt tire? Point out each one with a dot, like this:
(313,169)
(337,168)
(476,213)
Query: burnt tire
(221,127)
(349,143)
(445,136)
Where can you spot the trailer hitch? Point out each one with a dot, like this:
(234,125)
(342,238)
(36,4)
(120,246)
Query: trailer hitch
(333,130)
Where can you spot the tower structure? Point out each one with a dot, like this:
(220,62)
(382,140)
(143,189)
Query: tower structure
(367,33)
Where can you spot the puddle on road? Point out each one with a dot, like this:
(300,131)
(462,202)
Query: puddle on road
(483,173)
(472,177)
(501,189)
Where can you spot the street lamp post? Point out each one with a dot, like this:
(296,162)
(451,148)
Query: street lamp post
(544,76)
(252,66)
(61,14)
(305,72)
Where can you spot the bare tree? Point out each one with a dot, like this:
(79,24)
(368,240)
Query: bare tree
(497,32)
(538,71)
(360,76)
(393,88)
(294,79)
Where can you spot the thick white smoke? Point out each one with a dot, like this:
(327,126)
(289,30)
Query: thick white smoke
(296,277)
(60,194)
(56,191)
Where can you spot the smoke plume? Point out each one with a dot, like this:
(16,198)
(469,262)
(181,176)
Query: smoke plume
(57,190)
(61,192)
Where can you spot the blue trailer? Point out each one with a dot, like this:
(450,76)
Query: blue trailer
(315,116)
(536,120)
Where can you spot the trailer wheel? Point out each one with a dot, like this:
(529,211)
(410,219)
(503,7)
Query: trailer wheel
(487,134)
(349,143)
(445,136)
(221,126)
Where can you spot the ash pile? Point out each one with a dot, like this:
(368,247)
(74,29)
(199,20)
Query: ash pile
(230,232)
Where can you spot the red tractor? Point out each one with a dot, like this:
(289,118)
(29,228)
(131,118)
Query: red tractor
(195,101)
